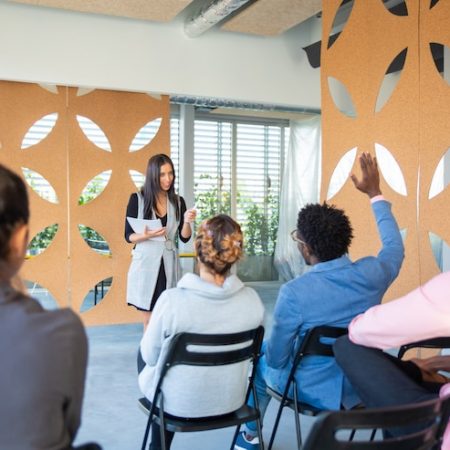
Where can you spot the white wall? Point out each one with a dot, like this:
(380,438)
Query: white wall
(56,46)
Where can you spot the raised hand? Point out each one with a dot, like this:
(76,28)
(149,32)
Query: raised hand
(370,176)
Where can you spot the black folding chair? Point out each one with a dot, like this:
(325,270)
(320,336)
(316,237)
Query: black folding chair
(423,423)
(312,344)
(180,353)
(439,342)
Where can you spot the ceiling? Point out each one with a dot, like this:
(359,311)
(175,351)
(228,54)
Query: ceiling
(258,17)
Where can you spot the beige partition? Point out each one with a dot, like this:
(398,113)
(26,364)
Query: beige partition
(68,160)
(413,125)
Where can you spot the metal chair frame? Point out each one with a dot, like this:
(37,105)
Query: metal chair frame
(179,354)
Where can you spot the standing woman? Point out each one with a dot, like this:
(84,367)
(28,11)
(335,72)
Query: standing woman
(154,266)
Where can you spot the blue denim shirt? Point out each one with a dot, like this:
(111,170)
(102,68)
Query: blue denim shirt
(332,293)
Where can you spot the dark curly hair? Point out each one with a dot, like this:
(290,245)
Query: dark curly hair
(14,208)
(326,229)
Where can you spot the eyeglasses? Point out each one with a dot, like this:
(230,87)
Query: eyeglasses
(295,238)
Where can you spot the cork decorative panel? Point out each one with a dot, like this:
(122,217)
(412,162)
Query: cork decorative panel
(68,160)
(409,130)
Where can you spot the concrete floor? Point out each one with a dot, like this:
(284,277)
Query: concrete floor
(111,415)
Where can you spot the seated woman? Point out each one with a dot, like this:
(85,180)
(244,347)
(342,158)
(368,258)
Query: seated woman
(382,380)
(211,303)
(43,354)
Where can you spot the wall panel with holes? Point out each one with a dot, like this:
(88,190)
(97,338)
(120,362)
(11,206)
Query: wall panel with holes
(82,154)
(382,91)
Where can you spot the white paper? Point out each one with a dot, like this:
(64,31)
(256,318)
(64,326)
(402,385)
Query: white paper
(139,225)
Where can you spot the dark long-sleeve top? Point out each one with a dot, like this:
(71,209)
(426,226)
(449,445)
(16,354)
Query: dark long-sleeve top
(132,211)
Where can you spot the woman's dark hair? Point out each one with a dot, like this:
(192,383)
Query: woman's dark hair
(14,209)
(152,185)
(326,229)
(219,243)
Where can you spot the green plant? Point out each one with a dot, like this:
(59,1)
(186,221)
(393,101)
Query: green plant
(94,187)
(42,239)
(214,201)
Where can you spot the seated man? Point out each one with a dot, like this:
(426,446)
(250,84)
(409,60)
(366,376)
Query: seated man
(333,292)
(383,380)
(43,354)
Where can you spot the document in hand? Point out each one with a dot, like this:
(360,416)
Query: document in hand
(139,225)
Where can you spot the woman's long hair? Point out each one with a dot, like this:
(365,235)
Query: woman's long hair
(152,185)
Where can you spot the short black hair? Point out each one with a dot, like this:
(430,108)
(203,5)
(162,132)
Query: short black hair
(14,207)
(326,229)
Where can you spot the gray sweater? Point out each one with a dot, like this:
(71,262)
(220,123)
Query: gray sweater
(197,306)
(43,358)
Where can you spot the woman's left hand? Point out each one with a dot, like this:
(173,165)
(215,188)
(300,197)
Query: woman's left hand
(190,215)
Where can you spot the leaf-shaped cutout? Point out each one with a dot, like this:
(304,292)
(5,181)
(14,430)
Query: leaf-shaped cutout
(403,233)
(94,133)
(341,172)
(145,135)
(437,53)
(440,248)
(41,294)
(433,3)
(441,177)
(40,185)
(84,91)
(399,9)
(391,171)
(341,97)
(95,187)
(138,178)
(340,20)
(39,130)
(42,240)
(96,294)
(52,88)
(155,96)
(95,240)
(391,79)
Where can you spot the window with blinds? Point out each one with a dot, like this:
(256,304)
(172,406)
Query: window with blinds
(237,171)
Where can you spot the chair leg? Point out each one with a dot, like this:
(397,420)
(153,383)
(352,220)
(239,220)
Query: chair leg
(297,420)
(147,429)
(162,426)
(233,442)
(275,425)
(352,435)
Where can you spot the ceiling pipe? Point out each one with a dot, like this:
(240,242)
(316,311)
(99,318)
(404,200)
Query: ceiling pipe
(213,103)
(212,14)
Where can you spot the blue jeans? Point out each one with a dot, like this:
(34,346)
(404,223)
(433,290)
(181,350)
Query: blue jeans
(266,376)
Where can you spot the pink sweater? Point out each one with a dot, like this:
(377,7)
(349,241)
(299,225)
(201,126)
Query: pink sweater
(422,314)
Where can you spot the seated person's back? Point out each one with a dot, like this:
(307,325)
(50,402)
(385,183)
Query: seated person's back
(43,353)
(212,303)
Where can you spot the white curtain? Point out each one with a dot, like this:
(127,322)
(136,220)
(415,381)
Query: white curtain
(301,185)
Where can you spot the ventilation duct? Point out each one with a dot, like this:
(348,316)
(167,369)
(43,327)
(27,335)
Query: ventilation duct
(211,14)
(208,103)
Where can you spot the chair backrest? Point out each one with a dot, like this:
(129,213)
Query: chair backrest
(439,342)
(422,423)
(315,343)
(194,349)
